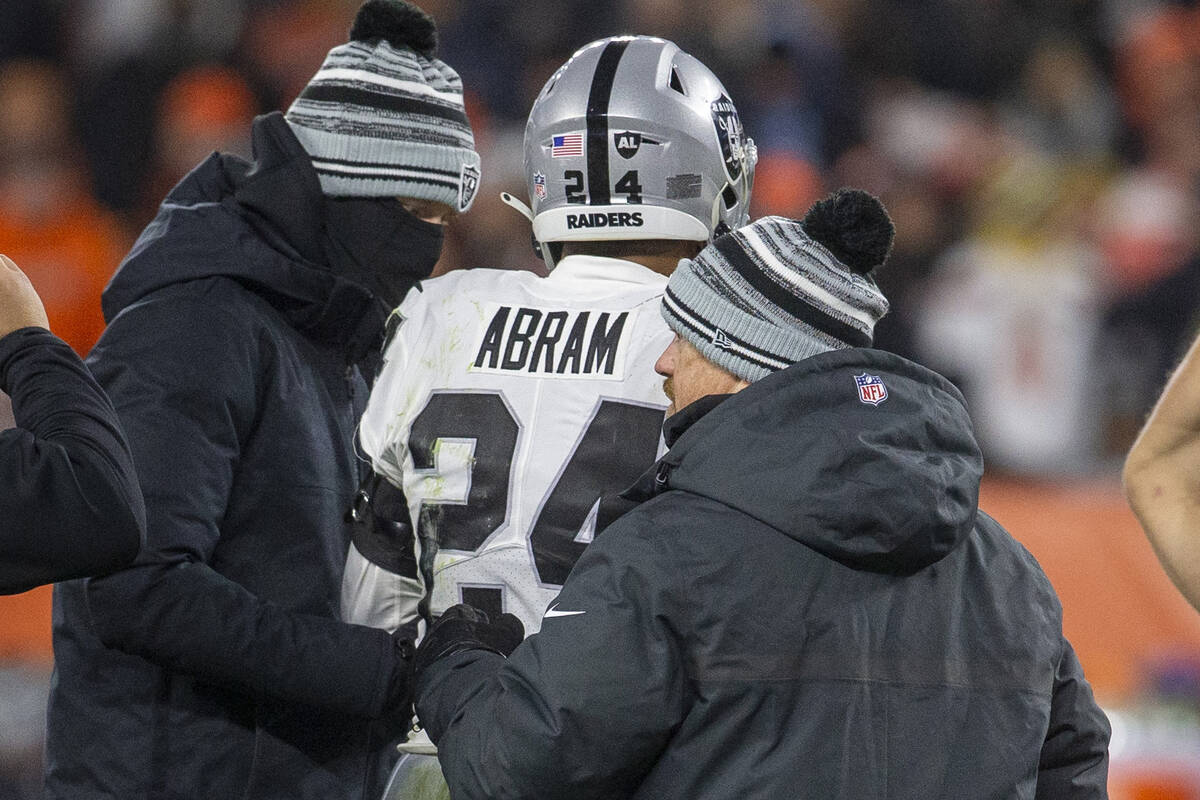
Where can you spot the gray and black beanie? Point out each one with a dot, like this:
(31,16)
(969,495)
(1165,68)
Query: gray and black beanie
(384,118)
(780,290)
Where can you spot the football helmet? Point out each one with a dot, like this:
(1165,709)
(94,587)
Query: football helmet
(633,138)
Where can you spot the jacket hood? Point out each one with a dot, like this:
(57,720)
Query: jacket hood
(257,222)
(889,487)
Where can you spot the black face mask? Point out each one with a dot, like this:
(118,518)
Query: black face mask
(374,242)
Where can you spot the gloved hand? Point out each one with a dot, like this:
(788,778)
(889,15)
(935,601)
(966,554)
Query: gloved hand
(463,627)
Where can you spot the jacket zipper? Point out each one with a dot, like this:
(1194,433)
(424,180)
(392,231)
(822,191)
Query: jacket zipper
(661,476)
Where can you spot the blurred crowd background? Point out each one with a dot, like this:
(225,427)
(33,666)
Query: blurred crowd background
(1040,158)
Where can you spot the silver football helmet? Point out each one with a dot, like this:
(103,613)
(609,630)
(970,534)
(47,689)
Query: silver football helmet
(633,138)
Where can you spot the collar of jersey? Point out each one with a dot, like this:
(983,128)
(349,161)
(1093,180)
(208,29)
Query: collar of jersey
(599,268)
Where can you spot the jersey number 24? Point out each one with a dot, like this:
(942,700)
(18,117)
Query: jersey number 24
(619,442)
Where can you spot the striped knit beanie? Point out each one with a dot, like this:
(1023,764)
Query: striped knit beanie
(779,290)
(384,118)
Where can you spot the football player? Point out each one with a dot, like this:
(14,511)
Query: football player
(511,408)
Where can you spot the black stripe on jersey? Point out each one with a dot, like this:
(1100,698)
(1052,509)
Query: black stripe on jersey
(597,122)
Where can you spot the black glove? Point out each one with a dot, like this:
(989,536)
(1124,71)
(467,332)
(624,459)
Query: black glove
(463,627)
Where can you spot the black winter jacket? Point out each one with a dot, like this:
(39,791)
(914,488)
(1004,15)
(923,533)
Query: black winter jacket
(69,499)
(217,666)
(808,605)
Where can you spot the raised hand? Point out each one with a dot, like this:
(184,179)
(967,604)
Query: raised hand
(20,306)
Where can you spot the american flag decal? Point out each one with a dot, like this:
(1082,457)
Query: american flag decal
(567,145)
(870,389)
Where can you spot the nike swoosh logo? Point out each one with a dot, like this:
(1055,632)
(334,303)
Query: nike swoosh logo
(553,611)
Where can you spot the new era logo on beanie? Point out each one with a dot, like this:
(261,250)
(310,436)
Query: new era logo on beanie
(383,117)
(779,290)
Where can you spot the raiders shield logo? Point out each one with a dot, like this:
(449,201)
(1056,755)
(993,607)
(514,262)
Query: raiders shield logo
(730,135)
(468,184)
(627,143)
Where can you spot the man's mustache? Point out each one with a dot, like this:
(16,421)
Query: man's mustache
(669,389)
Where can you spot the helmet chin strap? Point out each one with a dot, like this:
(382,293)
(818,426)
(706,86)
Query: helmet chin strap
(544,252)
(717,226)
(745,183)
(519,205)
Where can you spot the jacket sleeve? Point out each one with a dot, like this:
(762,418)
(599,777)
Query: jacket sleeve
(1074,761)
(582,709)
(70,503)
(185,379)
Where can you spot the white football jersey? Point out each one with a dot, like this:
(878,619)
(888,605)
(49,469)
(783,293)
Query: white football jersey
(508,406)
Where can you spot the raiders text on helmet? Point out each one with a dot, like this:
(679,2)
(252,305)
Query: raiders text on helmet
(633,138)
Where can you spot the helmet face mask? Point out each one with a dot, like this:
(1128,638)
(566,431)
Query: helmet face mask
(634,139)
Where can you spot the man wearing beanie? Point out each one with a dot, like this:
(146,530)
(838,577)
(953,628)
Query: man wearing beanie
(239,329)
(807,601)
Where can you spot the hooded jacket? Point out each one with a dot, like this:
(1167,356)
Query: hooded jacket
(217,665)
(806,604)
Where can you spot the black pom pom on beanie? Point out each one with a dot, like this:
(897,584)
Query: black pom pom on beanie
(398,23)
(854,226)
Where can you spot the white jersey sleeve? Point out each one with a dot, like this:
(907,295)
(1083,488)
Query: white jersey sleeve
(511,409)
(371,594)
